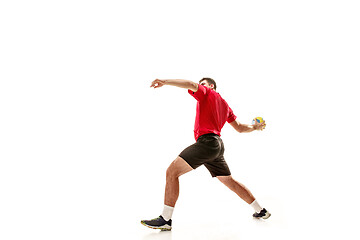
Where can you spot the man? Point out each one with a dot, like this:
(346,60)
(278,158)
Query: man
(212,112)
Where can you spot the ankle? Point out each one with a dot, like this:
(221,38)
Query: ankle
(167,212)
(256,206)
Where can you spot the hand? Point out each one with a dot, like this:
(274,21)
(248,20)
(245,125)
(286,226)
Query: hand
(157,83)
(259,126)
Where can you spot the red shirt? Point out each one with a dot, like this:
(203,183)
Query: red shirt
(212,111)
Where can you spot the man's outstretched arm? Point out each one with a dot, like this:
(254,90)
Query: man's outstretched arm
(175,82)
(244,128)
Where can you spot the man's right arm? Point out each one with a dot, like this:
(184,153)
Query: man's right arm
(187,84)
(245,128)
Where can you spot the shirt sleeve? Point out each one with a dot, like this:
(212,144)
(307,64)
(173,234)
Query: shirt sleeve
(200,93)
(231,116)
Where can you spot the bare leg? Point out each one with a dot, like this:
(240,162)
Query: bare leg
(238,188)
(177,168)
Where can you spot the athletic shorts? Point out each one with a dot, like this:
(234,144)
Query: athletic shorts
(208,150)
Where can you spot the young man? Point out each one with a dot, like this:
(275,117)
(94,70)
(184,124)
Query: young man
(212,112)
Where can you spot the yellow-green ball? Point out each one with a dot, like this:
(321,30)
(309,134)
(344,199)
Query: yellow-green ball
(257,120)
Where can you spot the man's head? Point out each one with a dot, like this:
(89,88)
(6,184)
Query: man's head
(208,82)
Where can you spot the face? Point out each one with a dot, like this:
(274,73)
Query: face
(206,84)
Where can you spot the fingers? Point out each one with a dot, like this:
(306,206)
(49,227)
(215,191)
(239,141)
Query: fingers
(157,83)
(260,126)
(153,83)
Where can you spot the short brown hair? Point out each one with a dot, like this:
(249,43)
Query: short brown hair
(210,81)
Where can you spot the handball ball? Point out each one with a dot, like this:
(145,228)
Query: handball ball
(257,120)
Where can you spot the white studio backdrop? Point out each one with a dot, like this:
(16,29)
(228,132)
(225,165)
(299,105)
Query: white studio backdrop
(85,142)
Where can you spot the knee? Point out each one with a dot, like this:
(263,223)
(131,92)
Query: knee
(171,173)
(177,168)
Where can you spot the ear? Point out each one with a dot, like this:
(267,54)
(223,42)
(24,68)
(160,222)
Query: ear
(212,86)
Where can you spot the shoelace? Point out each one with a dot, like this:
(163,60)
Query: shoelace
(155,219)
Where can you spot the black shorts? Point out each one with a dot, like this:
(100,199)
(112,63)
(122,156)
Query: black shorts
(208,150)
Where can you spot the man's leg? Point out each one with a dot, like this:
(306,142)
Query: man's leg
(238,188)
(177,168)
(244,194)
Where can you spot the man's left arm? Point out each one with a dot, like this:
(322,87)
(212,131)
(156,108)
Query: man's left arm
(187,84)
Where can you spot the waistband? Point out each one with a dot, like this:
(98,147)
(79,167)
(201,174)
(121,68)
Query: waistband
(208,135)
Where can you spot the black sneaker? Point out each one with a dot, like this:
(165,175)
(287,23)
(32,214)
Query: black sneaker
(264,214)
(158,223)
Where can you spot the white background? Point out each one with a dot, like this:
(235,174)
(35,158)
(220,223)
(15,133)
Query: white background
(85,143)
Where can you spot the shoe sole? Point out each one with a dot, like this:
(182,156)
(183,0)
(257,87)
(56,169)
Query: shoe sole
(267,215)
(166,228)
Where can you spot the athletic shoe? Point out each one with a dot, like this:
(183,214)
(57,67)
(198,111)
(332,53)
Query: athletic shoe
(264,214)
(158,223)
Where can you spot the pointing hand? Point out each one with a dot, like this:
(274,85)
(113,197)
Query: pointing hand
(157,83)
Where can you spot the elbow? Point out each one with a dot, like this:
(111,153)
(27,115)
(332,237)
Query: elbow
(239,130)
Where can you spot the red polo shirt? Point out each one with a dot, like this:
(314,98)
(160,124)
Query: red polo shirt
(212,111)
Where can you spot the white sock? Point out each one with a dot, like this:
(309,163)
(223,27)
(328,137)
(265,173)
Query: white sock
(256,206)
(167,212)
